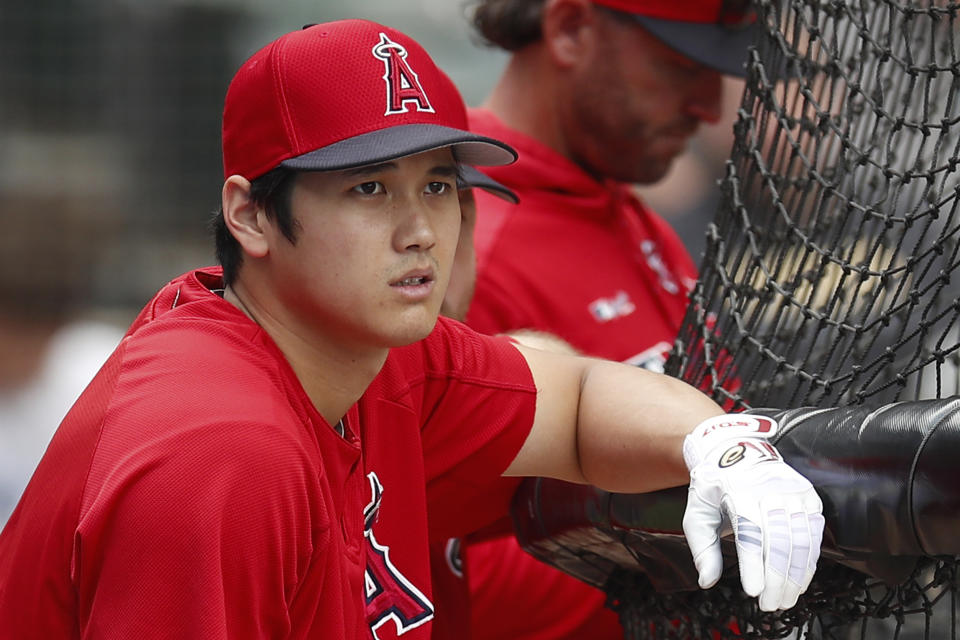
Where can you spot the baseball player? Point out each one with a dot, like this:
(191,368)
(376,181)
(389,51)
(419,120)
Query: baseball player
(276,441)
(596,96)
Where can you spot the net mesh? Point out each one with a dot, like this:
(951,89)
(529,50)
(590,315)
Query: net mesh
(830,279)
(840,604)
(830,270)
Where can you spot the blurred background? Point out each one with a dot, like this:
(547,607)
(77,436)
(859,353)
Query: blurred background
(110,170)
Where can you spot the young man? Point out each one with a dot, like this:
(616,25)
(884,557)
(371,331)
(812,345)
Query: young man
(274,445)
(597,96)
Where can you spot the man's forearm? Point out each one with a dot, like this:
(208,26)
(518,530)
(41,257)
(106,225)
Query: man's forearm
(609,424)
(631,426)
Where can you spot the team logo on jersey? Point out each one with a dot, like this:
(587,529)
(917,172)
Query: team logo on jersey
(403,85)
(607,309)
(656,263)
(652,359)
(390,595)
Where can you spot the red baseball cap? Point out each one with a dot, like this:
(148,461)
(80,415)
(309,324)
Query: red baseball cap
(715,33)
(340,95)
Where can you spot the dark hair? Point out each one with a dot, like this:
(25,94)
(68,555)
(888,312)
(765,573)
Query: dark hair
(271,191)
(509,24)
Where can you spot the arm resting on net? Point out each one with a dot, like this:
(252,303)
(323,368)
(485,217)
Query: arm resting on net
(888,478)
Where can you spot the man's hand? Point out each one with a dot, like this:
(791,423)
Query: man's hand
(737,476)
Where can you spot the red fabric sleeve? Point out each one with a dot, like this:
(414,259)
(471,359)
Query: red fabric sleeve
(479,402)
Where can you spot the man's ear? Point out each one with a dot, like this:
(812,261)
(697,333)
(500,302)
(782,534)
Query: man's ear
(569,30)
(244,219)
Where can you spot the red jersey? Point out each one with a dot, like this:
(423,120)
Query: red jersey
(589,262)
(193,491)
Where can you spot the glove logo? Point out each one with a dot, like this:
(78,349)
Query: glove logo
(732,456)
(761,450)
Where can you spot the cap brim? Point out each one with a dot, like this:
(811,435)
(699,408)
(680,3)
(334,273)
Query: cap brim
(471,177)
(712,45)
(404,140)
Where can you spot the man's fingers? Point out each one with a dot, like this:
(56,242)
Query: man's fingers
(800,555)
(806,528)
(788,597)
(791,548)
(701,526)
(749,538)
(814,508)
(736,475)
(777,554)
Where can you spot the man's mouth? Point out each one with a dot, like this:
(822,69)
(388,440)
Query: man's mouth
(416,285)
(414,278)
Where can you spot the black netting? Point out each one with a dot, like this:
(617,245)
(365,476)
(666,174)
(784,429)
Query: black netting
(873,580)
(830,277)
(841,604)
(830,274)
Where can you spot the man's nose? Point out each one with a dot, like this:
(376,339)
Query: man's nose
(415,231)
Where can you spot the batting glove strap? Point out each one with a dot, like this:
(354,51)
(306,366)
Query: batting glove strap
(738,477)
(715,432)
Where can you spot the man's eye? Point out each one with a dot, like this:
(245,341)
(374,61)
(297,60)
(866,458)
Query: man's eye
(369,188)
(437,188)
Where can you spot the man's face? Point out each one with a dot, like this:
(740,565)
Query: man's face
(373,251)
(634,103)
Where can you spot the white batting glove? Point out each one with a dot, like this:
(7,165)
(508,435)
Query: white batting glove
(737,476)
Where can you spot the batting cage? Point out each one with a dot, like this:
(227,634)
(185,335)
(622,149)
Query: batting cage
(829,289)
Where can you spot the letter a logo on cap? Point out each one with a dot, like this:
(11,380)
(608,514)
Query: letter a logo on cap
(402,84)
